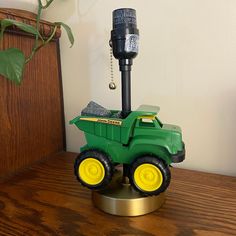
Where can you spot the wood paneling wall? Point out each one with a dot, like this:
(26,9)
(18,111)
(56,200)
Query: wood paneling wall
(31,115)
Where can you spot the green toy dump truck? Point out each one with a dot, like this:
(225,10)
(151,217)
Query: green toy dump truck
(139,141)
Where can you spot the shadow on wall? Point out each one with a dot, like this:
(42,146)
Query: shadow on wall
(88,6)
(77,86)
(226,133)
(26,5)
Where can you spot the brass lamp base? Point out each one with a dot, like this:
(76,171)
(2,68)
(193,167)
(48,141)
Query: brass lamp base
(122,200)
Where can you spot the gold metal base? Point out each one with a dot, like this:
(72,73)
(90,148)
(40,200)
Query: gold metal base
(122,200)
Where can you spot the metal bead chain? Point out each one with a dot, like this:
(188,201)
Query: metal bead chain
(112,84)
(111,65)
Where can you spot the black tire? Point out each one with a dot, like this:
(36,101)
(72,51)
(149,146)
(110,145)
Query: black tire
(162,167)
(101,158)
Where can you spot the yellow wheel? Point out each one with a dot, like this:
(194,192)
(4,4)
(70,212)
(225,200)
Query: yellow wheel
(149,175)
(93,169)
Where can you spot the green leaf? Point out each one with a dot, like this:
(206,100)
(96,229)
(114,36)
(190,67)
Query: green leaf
(25,27)
(68,31)
(12,62)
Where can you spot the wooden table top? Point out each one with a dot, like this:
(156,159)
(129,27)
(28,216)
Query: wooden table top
(46,199)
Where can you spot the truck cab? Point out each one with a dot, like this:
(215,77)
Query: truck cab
(166,135)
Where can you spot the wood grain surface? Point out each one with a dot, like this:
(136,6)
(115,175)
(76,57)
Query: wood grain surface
(47,200)
(31,115)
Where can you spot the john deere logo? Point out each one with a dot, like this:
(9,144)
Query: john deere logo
(104,121)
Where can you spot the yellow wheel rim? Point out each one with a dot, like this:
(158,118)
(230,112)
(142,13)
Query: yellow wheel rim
(148,177)
(91,171)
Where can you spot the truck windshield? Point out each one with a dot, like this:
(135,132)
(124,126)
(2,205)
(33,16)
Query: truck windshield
(149,122)
(145,122)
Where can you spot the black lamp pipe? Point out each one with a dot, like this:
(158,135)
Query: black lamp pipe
(125,68)
(126,93)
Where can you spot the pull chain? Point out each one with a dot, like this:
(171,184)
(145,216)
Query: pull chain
(112,84)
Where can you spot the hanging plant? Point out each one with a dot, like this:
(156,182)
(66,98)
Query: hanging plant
(13,60)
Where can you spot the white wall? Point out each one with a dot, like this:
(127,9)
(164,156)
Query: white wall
(27,5)
(186,65)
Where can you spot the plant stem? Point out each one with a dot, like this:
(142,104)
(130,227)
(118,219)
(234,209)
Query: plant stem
(42,45)
(52,35)
(36,37)
(36,46)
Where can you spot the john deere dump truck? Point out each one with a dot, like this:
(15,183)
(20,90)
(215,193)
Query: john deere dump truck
(140,141)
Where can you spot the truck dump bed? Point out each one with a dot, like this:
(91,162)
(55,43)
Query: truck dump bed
(115,129)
